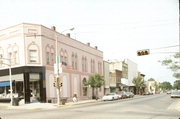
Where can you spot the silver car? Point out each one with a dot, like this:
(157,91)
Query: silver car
(175,94)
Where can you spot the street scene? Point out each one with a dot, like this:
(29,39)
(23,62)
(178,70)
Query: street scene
(89,59)
(159,106)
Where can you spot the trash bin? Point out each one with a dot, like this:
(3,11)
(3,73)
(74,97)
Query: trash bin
(15,102)
(63,100)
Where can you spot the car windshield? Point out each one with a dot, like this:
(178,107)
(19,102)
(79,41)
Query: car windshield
(120,92)
(109,94)
(176,92)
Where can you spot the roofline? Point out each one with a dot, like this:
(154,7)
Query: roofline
(49,29)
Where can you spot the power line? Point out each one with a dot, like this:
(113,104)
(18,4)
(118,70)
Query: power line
(165,47)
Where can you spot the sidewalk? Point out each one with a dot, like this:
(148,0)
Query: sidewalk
(38,105)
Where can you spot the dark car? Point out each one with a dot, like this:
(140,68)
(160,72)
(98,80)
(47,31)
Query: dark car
(121,94)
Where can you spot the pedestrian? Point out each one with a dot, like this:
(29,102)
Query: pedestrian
(75,97)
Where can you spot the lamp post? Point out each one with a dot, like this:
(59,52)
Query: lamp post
(57,68)
(10,79)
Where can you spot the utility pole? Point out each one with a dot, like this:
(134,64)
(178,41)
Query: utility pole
(58,68)
(57,73)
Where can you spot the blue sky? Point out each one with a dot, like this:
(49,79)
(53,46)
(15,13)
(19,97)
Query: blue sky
(118,27)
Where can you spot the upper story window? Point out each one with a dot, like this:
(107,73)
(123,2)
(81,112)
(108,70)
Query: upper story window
(74,61)
(83,69)
(1,60)
(33,57)
(99,67)
(47,54)
(86,68)
(33,53)
(64,57)
(15,56)
(47,58)
(1,56)
(92,66)
(52,56)
(84,64)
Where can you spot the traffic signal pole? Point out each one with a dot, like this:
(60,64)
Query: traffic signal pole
(57,73)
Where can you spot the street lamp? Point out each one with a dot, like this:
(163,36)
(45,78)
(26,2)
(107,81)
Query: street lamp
(57,68)
(10,79)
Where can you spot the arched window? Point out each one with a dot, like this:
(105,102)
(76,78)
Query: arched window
(62,56)
(10,50)
(1,56)
(83,64)
(15,55)
(76,62)
(33,52)
(47,54)
(93,66)
(52,57)
(73,61)
(84,81)
(65,57)
(99,67)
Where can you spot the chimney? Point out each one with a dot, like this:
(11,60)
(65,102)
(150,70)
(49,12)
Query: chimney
(88,44)
(53,28)
(96,47)
(68,35)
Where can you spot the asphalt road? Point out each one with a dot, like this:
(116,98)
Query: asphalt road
(148,107)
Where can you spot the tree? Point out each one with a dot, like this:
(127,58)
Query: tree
(151,79)
(156,84)
(165,86)
(176,84)
(173,65)
(95,81)
(139,84)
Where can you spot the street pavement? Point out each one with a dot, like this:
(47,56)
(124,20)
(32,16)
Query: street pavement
(141,107)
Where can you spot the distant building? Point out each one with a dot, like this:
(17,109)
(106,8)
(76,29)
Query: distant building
(120,70)
(106,78)
(152,86)
(31,49)
(132,73)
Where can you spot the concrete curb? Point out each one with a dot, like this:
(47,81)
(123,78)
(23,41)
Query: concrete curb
(40,106)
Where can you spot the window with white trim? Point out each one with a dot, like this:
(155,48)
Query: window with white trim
(33,56)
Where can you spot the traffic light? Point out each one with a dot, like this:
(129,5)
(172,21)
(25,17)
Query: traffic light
(143,52)
(56,82)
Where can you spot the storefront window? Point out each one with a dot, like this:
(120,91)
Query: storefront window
(34,84)
(17,89)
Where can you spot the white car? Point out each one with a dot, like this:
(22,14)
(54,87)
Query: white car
(110,96)
(175,94)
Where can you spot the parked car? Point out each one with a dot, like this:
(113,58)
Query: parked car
(129,94)
(110,96)
(168,92)
(121,94)
(175,94)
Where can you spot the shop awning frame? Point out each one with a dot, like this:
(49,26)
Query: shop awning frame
(3,84)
